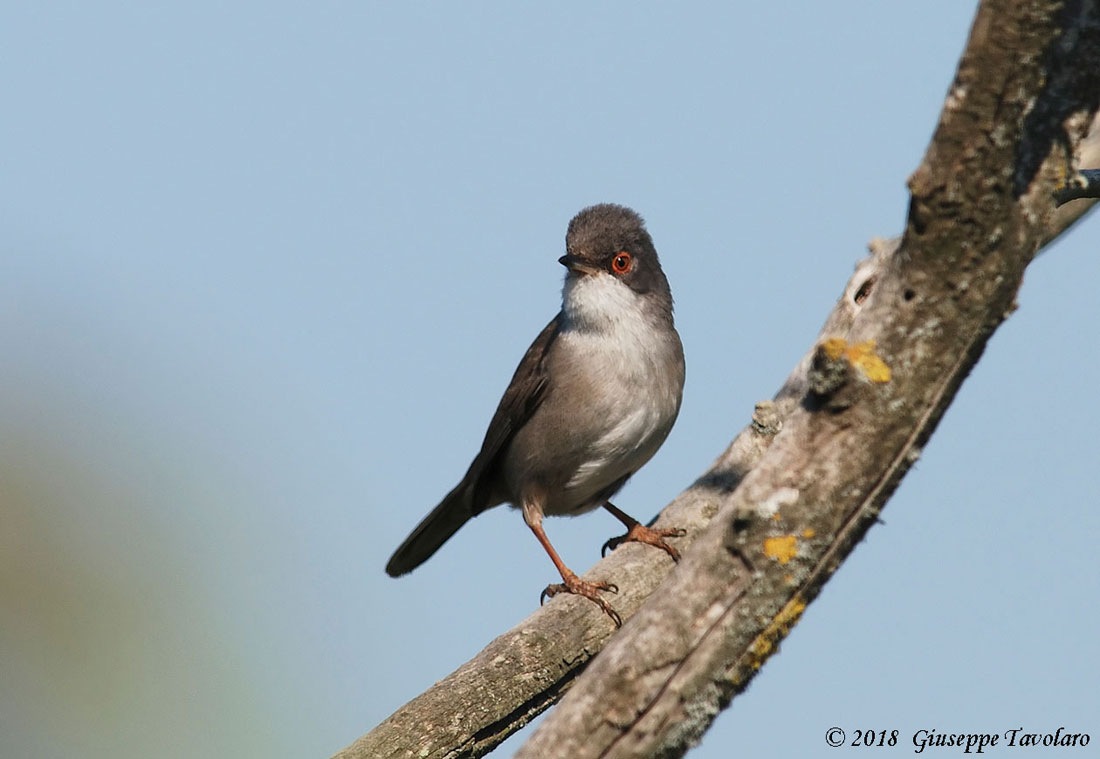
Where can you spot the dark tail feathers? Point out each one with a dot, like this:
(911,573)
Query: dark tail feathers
(432,532)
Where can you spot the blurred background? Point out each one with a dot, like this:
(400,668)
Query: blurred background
(266,268)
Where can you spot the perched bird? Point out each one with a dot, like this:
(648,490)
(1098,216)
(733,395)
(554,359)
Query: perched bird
(593,399)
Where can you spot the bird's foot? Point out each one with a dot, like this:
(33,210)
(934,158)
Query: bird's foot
(590,590)
(639,533)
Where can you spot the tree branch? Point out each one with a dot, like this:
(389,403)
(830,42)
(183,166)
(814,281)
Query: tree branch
(846,440)
(1026,89)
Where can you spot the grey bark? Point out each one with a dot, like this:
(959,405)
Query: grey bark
(1026,90)
(778,511)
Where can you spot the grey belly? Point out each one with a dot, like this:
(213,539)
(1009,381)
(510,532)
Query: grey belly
(572,462)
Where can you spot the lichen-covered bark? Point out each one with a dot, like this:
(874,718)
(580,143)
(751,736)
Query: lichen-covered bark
(981,201)
(787,514)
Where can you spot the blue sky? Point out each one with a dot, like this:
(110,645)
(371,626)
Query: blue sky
(266,270)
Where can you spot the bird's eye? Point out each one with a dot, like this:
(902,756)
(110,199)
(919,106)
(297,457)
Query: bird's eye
(621,263)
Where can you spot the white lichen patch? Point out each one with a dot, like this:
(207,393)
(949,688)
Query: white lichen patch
(955,97)
(780,498)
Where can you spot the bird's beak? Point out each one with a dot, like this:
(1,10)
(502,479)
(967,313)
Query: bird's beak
(577,264)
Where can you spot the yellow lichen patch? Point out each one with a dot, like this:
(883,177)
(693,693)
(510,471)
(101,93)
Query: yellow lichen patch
(780,626)
(760,649)
(861,355)
(1062,169)
(783,548)
(834,347)
(808,533)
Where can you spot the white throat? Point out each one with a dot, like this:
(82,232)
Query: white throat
(601,303)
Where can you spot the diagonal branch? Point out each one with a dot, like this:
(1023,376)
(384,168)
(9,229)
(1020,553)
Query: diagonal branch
(530,667)
(981,201)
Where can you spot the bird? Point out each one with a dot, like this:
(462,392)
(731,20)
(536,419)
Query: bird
(592,400)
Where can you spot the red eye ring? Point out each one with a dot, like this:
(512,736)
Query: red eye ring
(622,263)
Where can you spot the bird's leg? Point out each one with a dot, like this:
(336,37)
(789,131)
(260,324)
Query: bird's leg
(636,532)
(571,583)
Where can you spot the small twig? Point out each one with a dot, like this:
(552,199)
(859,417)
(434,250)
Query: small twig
(1084,184)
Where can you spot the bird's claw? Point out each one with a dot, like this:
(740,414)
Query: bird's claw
(639,533)
(590,590)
